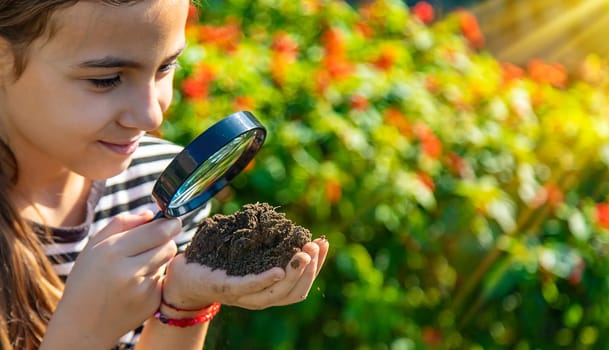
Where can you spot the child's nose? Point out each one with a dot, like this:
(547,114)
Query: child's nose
(147,108)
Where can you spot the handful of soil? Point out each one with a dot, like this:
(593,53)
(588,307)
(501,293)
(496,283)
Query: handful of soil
(252,240)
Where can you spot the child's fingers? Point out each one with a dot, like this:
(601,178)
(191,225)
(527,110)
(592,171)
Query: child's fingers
(149,236)
(276,294)
(121,223)
(152,260)
(324,247)
(302,287)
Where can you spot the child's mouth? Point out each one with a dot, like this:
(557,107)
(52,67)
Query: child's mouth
(121,148)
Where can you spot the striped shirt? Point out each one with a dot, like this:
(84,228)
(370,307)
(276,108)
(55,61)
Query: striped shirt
(127,192)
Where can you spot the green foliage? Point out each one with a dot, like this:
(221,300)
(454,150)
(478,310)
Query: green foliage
(464,199)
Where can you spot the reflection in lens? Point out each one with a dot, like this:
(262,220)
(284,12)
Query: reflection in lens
(211,170)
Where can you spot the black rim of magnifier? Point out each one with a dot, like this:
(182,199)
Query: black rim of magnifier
(201,149)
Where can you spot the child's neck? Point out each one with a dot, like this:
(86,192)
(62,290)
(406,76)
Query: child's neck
(58,203)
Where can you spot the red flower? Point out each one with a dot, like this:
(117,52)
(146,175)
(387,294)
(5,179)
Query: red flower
(426,180)
(602,214)
(193,14)
(457,164)
(423,11)
(197,86)
(285,45)
(359,102)
(576,274)
(387,57)
(225,37)
(338,67)
(470,29)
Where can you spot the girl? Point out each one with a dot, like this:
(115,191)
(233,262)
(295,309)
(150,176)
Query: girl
(82,266)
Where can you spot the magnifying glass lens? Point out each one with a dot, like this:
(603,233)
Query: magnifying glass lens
(208,164)
(211,170)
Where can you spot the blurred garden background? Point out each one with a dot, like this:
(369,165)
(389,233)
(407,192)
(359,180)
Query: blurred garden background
(454,153)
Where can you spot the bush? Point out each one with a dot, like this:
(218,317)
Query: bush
(464,198)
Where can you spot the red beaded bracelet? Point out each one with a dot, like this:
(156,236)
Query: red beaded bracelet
(208,313)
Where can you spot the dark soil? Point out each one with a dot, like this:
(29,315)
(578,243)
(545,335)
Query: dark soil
(252,240)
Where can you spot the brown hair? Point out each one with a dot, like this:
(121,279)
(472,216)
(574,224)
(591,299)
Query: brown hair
(29,287)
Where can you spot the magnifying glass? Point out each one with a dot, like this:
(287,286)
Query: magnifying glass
(208,164)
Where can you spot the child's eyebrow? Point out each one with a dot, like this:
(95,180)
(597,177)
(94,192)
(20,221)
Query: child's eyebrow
(117,62)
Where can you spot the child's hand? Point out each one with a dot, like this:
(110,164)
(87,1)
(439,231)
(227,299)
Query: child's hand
(191,286)
(115,283)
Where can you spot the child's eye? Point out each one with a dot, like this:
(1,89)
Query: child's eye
(169,66)
(106,83)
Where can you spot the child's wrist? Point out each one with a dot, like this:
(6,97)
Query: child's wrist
(179,317)
(178,310)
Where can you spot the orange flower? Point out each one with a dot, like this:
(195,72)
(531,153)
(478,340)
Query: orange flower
(549,194)
(431,336)
(285,52)
(511,72)
(602,214)
(553,74)
(311,6)
(279,67)
(555,196)
(364,29)
(471,29)
(284,44)
(335,60)
(244,103)
(322,81)
(430,144)
(423,11)
(394,117)
(338,67)
(333,42)
(333,191)
(432,84)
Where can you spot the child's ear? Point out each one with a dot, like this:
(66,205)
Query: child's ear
(7,60)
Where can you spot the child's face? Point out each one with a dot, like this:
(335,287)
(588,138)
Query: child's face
(90,91)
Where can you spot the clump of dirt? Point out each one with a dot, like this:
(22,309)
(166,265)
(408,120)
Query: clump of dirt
(252,240)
